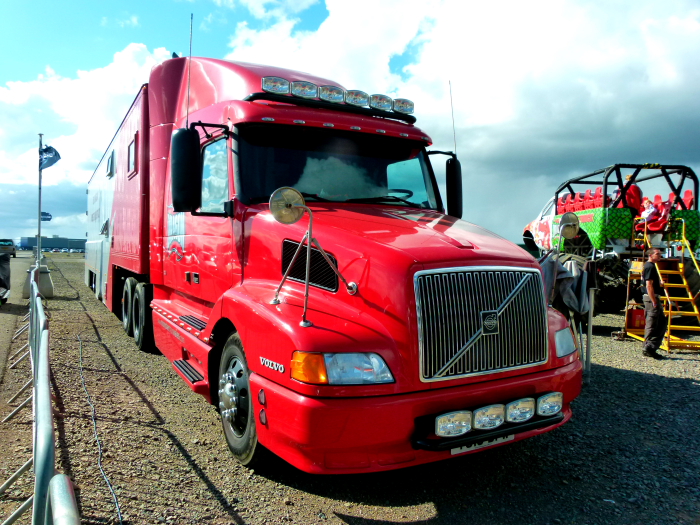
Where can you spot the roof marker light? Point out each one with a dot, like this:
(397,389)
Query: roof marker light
(299,122)
(381,131)
(381,102)
(403,134)
(331,94)
(268,119)
(304,89)
(355,128)
(402,105)
(328,124)
(356,98)
(275,85)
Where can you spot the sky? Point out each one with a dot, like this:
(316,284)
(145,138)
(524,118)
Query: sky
(542,91)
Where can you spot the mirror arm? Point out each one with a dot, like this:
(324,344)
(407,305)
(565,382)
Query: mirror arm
(448,153)
(205,125)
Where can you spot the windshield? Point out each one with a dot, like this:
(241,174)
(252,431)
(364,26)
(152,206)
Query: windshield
(334,166)
(6,243)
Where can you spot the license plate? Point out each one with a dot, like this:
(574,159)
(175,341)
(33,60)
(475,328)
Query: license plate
(483,444)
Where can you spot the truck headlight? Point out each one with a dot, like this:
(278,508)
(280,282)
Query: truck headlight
(566,344)
(340,369)
(550,404)
(489,417)
(357,369)
(453,424)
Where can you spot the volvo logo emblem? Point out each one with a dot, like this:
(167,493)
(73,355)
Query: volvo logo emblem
(489,322)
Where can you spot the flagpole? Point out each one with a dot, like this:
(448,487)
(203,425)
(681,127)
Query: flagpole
(38,239)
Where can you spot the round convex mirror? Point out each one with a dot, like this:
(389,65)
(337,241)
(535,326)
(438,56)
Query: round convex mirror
(286,205)
(569,225)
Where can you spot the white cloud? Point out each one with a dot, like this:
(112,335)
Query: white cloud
(269,9)
(78,115)
(225,3)
(132,21)
(542,90)
(339,50)
(206,22)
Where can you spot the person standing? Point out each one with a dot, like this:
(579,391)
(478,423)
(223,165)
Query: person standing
(655,326)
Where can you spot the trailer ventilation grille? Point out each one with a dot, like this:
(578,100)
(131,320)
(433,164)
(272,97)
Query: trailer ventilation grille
(480,320)
(321,274)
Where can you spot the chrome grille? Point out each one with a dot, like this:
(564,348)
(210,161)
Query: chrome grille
(456,308)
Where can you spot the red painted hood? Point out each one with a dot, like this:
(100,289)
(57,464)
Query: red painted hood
(428,237)
(380,248)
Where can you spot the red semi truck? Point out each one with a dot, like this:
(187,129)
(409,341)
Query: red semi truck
(402,335)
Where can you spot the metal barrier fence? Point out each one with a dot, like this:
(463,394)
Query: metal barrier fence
(53,501)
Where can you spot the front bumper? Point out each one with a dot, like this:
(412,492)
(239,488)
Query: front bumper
(367,434)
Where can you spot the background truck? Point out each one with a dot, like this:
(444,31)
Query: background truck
(405,336)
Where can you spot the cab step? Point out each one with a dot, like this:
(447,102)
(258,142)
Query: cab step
(187,370)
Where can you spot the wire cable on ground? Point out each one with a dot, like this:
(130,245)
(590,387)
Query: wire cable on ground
(97,438)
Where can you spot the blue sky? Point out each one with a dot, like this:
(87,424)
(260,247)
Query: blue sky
(84,34)
(542,90)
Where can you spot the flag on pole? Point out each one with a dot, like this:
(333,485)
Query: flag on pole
(48,156)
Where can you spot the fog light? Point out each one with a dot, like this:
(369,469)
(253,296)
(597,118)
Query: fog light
(401,105)
(521,410)
(381,102)
(331,94)
(453,424)
(275,85)
(489,417)
(550,404)
(356,98)
(304,89)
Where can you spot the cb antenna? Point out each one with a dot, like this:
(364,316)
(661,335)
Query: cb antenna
(189,76)
(452,108)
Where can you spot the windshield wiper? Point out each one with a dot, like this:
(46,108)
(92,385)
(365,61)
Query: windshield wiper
(314,196)
(385,198)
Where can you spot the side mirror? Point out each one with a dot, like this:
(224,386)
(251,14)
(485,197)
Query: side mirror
(186,170)
(453,179)
(569,225)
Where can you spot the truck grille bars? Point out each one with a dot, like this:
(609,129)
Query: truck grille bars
(479,320)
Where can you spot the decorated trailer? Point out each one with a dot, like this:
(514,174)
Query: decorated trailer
(609,204)
(283,242)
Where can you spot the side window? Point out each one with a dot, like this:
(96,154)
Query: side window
(547,211)
(214,177)
(111,168)
(132,156)
(408,180)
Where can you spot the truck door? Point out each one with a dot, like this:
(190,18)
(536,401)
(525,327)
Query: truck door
(198,254)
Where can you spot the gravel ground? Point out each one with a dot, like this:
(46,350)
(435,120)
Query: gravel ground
(630,455)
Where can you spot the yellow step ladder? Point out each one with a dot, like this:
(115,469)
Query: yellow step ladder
(676,294)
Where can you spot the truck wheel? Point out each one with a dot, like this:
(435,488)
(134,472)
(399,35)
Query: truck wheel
(127,299)
(142,324)
(235,403)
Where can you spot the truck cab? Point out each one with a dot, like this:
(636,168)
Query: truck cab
(353,323)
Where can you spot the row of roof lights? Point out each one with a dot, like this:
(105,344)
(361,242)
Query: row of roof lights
(336,95)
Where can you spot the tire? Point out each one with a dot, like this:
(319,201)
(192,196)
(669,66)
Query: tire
(142,320)
(127,300)
(234,395)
